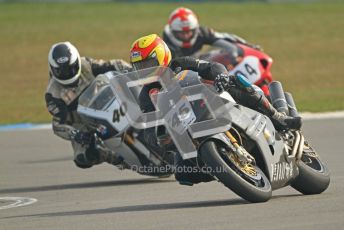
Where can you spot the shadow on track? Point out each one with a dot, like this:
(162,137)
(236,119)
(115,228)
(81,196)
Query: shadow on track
(156,207)
(153,207)
(141,208)
(86,185)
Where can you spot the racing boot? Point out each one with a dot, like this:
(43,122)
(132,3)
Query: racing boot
(106,155)
(280,120)
(245,93)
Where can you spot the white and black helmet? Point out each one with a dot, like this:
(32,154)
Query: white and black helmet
(64,63)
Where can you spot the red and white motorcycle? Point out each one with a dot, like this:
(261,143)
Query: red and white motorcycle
(250,62)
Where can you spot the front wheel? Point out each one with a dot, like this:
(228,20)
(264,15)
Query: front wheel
(247,181)
(314,176)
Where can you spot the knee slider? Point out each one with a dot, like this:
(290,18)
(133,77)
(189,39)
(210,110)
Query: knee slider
(82,162)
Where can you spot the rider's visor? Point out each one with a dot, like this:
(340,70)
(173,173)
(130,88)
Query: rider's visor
(144,64)
(184,36)
(66,71)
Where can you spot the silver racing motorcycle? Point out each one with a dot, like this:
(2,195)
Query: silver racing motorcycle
(224,141)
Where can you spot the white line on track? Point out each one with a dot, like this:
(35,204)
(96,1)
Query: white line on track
(17,202)
(327,115)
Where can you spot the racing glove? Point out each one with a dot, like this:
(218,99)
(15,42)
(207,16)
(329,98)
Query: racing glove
(223,82)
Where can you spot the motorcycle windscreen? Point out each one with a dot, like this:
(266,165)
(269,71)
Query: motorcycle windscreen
(99,108)
(186,107)
(98,95)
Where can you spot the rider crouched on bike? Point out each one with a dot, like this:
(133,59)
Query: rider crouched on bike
(151,50)
(184,36)
(70,75)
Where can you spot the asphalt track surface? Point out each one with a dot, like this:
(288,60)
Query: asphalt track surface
(37,164)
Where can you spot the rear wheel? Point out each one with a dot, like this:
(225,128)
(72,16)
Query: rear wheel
(247,181)
(314,177)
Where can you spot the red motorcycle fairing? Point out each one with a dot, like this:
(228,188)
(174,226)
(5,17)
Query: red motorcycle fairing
(254,64)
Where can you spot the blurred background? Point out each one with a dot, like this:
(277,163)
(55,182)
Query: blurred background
(305,39)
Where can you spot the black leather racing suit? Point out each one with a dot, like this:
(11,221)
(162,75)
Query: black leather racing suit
(206,36)
(62,102)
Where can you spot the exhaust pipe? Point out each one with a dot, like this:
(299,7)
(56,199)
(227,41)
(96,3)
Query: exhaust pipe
(277,97)
(291,104)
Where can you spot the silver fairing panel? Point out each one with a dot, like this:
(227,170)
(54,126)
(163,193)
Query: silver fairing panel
(279,169)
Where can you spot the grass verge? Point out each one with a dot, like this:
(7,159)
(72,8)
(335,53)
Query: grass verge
(305,40)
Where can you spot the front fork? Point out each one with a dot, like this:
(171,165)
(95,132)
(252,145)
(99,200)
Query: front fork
(244,156)
(239,156)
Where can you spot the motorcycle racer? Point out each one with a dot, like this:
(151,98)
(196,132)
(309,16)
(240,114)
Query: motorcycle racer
(70,75)
(151,50)
(184,36)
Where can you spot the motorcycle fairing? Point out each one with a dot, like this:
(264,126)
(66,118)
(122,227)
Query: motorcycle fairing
(273,151)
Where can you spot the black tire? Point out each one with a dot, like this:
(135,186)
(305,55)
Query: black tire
(314,176)
(231,177)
